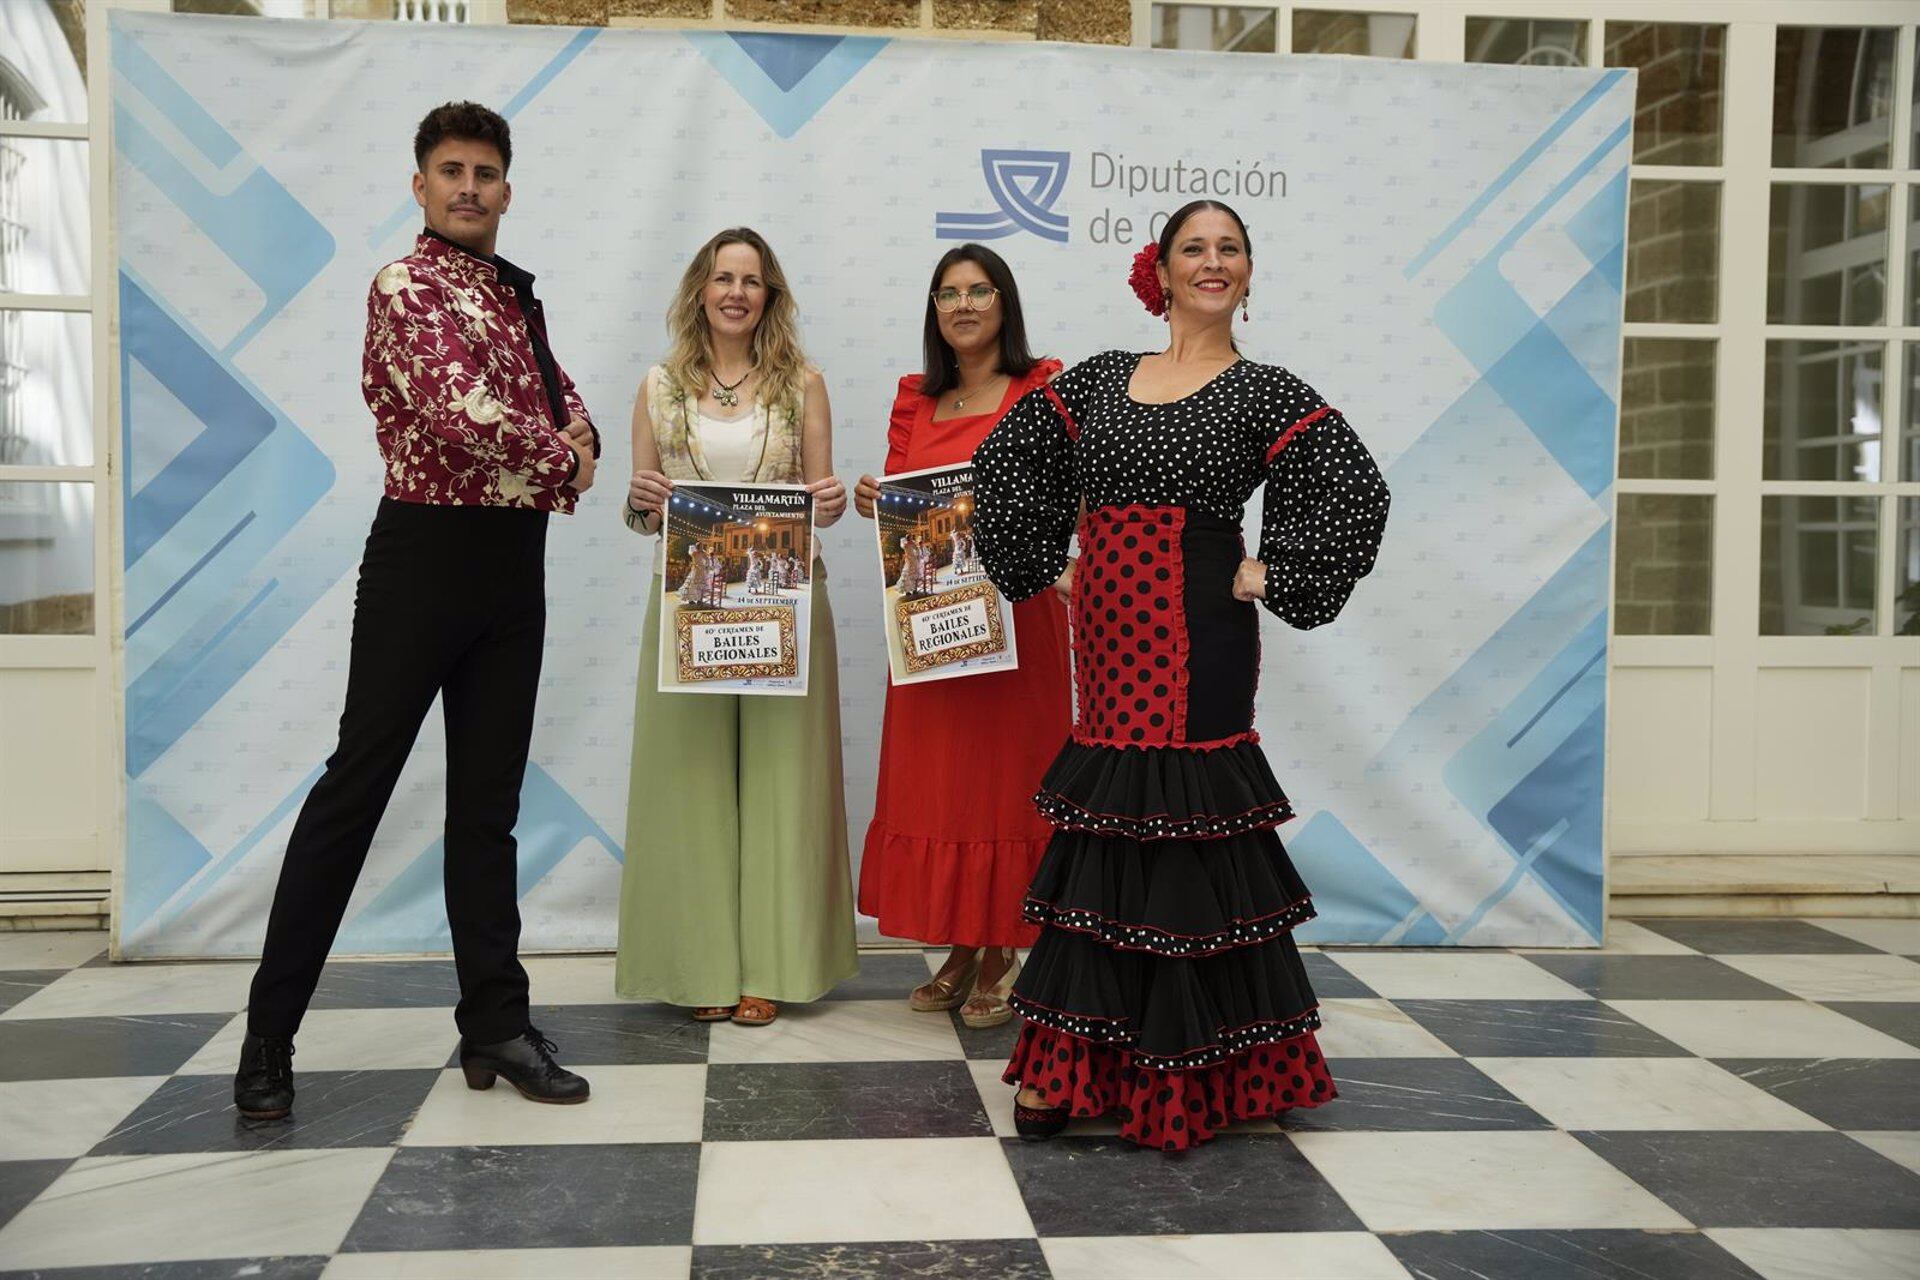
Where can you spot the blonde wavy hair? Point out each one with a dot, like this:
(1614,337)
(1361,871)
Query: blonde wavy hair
(776,342)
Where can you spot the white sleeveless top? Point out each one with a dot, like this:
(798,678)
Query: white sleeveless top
(731,446)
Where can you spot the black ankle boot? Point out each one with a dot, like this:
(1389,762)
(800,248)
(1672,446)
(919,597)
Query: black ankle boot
(526,1061)
(263,1086)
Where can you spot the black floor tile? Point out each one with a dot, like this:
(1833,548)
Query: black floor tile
(1657,978)
(1001,1259)
(1564,1255)
(883,975)
(17,984)
(615,1035)
(331,1109)
(1415,1095)
(1756,937)
(984,1044)
(553,1197)
(791,1100)
(388,984)
(1899,1019)
(23,1180)
(305,1267)
(1847,1093)
(1751,1179)
(87,1048)
(1538,1029)
(1330,981)
(1236,1183)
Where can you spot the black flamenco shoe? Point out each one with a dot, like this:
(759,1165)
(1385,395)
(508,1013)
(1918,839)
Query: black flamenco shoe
(1037,1124)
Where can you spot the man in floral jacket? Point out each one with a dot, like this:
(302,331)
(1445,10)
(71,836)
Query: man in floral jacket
(483,435)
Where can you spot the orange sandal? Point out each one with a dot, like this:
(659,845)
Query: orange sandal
(713,1013)
(752,1011)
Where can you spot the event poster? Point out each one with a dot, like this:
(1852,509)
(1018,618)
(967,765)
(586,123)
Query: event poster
(736,596)
(942,616)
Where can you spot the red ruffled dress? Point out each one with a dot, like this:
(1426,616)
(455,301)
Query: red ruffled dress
(1165,985)
(955,838)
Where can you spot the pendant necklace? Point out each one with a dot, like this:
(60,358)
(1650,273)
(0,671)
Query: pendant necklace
(960,401)
(728,393)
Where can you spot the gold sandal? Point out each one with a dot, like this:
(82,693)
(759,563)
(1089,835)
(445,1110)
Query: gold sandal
(943,993)
(987,1006)
(752,1011)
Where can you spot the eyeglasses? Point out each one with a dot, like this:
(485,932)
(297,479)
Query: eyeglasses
(978,298)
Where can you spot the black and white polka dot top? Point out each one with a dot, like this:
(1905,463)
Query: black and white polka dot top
(1322,517)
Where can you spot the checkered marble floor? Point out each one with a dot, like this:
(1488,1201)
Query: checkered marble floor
(1705,1099)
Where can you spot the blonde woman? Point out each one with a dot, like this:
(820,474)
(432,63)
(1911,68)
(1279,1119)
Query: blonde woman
(736,893)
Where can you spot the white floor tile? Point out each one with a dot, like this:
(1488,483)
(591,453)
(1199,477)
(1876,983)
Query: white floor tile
(61,1119)
(1902,937)
(629,1104)
(1625,937)
(1308,1255)
(50,948)
(1485,1181)
(1353,1028)
(1641,1093)
(1827,977)
(570,980)
(1762,1029)
(666,1262)
(345,1040)
(1467,976)
(1824,1254)
(126,1209)
(838,1031)
(127,989)
(852,1190)
(1902,1146)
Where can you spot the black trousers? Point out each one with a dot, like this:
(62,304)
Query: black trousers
(451,601)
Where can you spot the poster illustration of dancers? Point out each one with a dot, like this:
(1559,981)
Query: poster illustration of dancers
(737,593)
(943,617)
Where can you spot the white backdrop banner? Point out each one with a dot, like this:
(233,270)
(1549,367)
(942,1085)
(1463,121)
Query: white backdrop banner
(1438,249)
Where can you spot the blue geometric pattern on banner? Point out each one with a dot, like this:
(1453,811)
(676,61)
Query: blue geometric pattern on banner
(786,79)
(254,220)
(1526,776)
(1555,813)
(234,420)
(408,211)
(1551,391)
(1598,229)
(1535,149)
(1371,901)
(408,915)
(163,859)
(202,613)
(153,918)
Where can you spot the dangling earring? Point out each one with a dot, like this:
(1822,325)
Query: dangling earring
(1245,298)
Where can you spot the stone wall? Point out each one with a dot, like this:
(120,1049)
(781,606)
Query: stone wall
(1085,21)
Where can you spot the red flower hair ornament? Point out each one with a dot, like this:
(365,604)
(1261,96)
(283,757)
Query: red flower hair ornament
(1146,280)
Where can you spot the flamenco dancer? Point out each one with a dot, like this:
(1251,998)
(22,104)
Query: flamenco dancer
(1165,985)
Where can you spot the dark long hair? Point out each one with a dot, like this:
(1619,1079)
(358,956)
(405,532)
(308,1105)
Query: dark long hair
(942,369)
(1187,210)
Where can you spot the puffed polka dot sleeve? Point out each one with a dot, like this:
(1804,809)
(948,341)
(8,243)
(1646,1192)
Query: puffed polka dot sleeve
(1324,510)
(1028,490)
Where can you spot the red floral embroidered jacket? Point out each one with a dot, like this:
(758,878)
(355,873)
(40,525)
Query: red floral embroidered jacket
(450,373)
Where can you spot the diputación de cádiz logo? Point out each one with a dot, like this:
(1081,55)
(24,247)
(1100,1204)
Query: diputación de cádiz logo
(1025,185)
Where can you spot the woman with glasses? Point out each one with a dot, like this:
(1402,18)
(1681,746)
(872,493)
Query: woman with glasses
(955,836)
